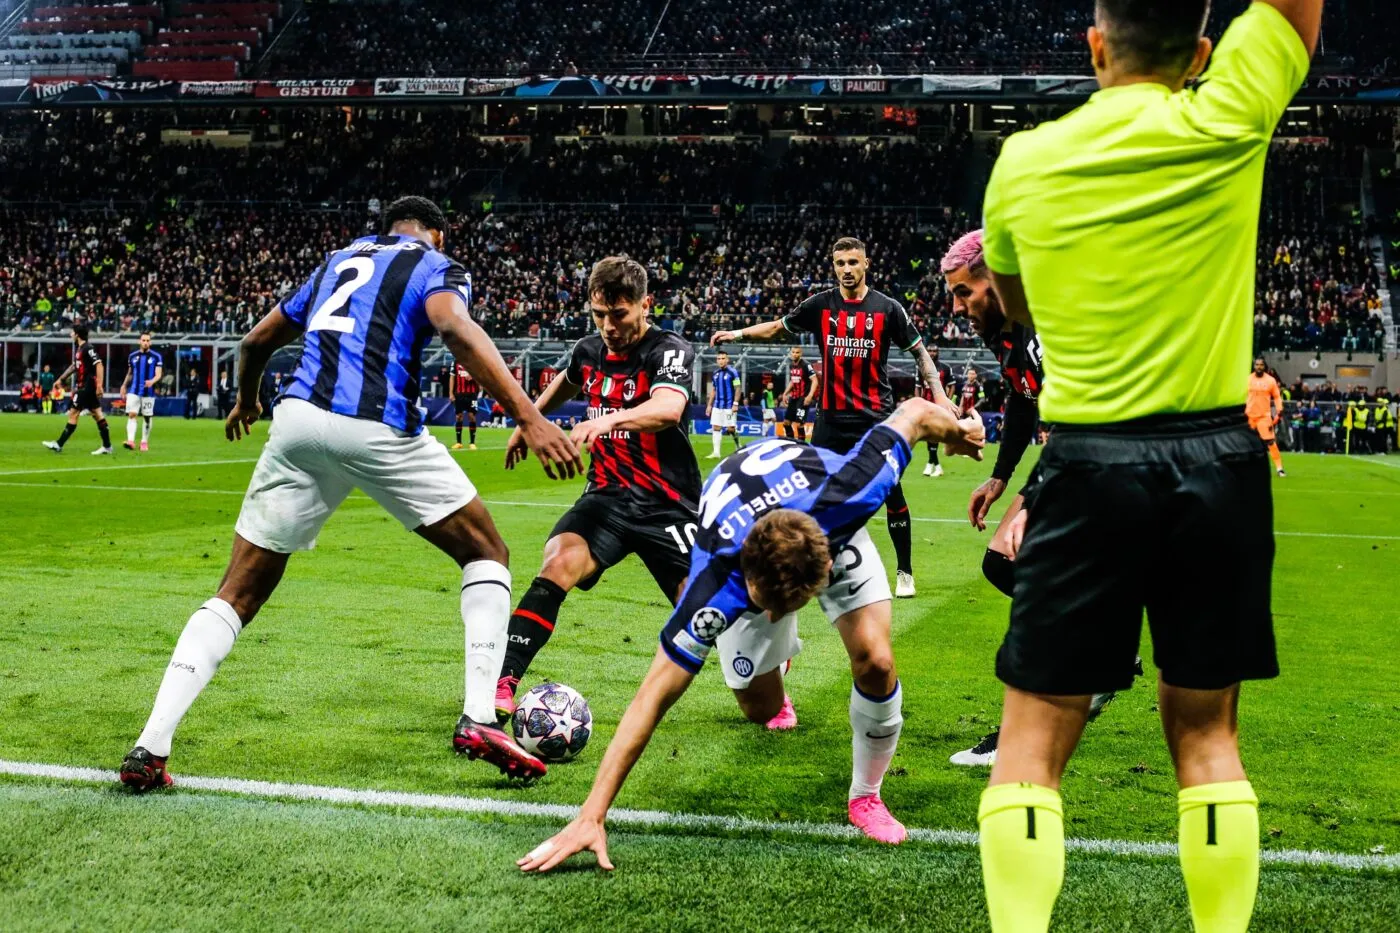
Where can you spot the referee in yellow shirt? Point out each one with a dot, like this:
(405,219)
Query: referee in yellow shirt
(1127,230)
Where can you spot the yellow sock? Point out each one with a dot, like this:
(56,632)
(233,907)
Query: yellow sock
(1219,844)
(1023,855)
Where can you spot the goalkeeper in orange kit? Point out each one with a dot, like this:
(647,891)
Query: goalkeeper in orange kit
(1264,408)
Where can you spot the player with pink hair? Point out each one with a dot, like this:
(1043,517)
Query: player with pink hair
(1018,350)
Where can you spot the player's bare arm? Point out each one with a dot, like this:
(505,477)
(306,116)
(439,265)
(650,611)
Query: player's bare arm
(1305,16)
(765,331)
(709,400)
(125,383)
(1013,297)
(559,391)
(472,347)
(919,420)
(928,375)
(664,409)
(274,331)
(813,392)
(662,686)
(99,380)
(156,377)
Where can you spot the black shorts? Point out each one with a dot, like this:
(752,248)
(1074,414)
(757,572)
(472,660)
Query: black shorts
(464,403)
(1170,514)
(87,400)
(795,413)
(840,433)
(616,524)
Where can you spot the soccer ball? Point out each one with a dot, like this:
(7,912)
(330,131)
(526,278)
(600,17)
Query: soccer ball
(553,722)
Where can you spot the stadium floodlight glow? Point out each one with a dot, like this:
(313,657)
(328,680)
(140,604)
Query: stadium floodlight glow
(1003,107)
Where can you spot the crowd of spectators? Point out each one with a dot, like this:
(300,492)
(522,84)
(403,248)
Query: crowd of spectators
(643,173)
(518,37)
(1317,285)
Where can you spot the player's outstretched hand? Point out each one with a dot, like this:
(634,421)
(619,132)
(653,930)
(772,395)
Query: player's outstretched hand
(516,449)
(579,836)
(723,336)
(553,447)
(971,441)
(982,499)
(586,432)
(240,421)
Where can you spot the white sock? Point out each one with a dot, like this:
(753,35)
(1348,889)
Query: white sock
(145,430)
(716,437)
(875,728)
(207,639)
(131,430)
(486,619)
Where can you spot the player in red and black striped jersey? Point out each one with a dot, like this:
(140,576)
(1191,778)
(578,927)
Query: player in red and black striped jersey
(643,480)
(1018,350)
(88,377)
(799,393)
(465,393)
(856,327)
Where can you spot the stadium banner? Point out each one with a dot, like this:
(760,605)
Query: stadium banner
(102,90)
(934,85)
(225,90)
(12,90)
(314,87)
(420,87)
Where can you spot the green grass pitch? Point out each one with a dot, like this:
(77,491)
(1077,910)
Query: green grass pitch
(352,677)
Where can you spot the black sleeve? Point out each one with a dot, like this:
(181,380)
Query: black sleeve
(574,370)
(903,333)
(1017,428)
(807,317)
(670,363)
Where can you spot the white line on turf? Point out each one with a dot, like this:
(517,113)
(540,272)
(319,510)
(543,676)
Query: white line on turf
(661,818)
(538,505)
(124,466)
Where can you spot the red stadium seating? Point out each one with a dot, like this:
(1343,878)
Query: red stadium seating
(206,36)
(186,70)
(96,12)
(236,51)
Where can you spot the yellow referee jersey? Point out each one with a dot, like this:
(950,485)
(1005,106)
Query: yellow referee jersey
(1133,223)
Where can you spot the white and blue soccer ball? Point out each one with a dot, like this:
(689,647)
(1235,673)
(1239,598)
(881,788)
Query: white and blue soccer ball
(552,722)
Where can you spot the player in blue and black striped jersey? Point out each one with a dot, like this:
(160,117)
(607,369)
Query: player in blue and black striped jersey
(722,402)
(781,522)
(349,418)
(144,367)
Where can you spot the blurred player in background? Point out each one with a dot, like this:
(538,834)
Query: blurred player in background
(465,393)
(89,374)
(144,367)
(971,392)
(770,412)
(722,403)
(1127,231)
(798,394)
(945,379)
(1263,409)
(856,326)
(643,480)
(350,418)
(781,523)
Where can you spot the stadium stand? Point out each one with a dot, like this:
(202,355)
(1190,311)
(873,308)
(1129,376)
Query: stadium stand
(516,37)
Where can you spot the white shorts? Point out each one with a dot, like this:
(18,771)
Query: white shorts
(770,415)
(754,646)
(313,458)
(140,404)
(722,418)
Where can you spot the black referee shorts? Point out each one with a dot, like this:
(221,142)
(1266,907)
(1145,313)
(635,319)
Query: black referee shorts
(616,524)
(1169,514)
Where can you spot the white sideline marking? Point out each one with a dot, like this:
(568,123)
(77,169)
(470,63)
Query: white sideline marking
(661,818)
(544,505)
(125,466)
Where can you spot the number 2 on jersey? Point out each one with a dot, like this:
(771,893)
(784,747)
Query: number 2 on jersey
(327,317)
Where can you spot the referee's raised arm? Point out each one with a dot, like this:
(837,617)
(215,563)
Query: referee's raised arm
(1127,231)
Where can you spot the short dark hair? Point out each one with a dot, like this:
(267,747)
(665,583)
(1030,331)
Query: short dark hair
(145,333)
(80,330)
(616,279)
(1153,36)
(416,209)
(845,243)
(787,559)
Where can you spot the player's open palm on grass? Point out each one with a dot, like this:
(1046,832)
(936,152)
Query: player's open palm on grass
(581,835)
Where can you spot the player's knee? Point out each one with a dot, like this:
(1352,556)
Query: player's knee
(999,570)
(873,669)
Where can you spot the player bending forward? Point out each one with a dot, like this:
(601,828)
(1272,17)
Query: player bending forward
(350,418)
(780,523)
(643,481)
(144,367)
(1019,353)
